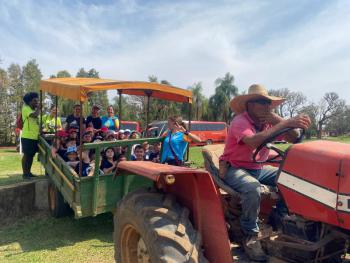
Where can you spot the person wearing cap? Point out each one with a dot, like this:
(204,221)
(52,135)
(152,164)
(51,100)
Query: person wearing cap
(73,133)
(72,156)
(110,136)
(111,120)
(74,119)
(94,120)
(121,135)
(254,122)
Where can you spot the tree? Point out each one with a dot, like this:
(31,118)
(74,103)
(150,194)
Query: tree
(31,76)
(226,85)
(197,101)
(63,74)
(294,102)
(16,87)
(282,93)
(219,106)
(341,124)
(219,103)
(331,106)
(5,110)
(311,110)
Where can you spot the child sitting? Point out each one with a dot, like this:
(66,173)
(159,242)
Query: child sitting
(109,164)
(59,144)
(138,153)
(146,149)
(86,168)
(121,157)
(72,156)
(154,155)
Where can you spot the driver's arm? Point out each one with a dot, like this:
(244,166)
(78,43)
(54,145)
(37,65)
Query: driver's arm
(255,140)
(291,135)
(300,121)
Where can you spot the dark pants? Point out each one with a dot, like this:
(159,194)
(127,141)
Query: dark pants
(29,149)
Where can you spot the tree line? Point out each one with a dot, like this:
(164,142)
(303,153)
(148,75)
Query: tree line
(330,114)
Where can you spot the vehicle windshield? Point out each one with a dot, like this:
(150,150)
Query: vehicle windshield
(157,129)
(130,126)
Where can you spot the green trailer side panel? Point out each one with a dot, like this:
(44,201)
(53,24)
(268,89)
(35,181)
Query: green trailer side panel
(79,192)
(110,190)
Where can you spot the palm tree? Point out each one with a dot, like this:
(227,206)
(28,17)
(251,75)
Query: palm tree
(226,85)
(220,102)
(197,98)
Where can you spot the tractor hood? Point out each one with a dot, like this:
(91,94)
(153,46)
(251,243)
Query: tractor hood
(315,181)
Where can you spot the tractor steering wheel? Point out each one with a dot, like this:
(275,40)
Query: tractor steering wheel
(268,145)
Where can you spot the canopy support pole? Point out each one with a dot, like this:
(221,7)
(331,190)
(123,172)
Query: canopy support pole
(189,128)
(148,93)
(120,108)
(189,116)
(41,113)
(56,106)
(81,140)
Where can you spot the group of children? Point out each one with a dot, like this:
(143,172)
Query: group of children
(67,144)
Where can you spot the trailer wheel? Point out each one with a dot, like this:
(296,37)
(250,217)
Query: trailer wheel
(57,206)
(152,227)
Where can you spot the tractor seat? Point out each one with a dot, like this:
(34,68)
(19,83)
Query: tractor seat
(211,155)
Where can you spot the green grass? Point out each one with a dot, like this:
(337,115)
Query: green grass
(44,239)
(196,157)
(10,166)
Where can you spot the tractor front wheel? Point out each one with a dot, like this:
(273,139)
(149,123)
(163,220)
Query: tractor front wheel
(152,227)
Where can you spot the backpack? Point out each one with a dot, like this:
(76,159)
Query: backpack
(19,122)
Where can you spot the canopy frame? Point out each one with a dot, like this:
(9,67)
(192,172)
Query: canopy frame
(78,89)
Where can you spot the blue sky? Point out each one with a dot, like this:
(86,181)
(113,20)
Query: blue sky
(300,45)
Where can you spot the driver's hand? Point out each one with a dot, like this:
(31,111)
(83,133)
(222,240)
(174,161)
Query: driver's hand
(301,121)
(270,117)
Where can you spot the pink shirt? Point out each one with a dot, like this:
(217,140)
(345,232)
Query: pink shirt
(236,151)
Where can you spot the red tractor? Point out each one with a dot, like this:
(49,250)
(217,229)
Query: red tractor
(190,215)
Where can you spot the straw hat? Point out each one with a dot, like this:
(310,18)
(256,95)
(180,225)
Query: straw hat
(255,91)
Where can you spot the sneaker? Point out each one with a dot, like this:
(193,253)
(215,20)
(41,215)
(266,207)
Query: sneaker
(253,249)
(26,177)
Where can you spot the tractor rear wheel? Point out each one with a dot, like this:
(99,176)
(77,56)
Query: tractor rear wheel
(57,206)
(152,227)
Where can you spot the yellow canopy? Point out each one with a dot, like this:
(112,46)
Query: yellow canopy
(78,88)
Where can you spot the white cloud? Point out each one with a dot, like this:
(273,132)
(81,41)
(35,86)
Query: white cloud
(277,44)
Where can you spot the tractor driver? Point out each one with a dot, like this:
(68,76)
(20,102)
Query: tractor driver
(254,121)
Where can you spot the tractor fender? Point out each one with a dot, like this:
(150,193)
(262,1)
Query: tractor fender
(194,189)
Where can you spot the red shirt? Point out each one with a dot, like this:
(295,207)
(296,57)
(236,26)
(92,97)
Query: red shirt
(236,152)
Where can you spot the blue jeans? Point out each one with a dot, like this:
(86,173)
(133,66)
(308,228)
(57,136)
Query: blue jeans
(247,183)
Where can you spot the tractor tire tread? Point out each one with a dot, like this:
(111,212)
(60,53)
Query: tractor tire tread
(165,226)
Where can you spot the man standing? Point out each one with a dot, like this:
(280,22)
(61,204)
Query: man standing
(253,123)
(30,132)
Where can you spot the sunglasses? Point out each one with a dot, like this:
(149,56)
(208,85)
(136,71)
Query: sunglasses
(262,101)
